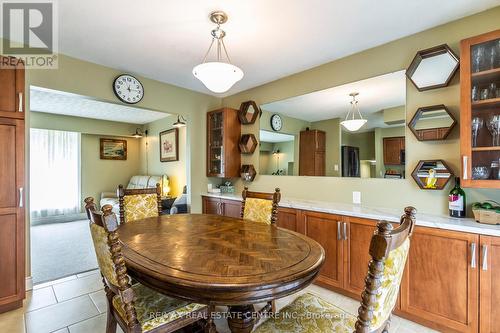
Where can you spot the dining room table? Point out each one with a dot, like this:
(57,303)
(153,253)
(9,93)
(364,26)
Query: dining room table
(220,261)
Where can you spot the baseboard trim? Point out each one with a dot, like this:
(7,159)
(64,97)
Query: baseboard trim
(29,283)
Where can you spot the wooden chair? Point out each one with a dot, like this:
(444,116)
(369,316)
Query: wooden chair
(131,306)
(309,313)
(259,206)
(136,204)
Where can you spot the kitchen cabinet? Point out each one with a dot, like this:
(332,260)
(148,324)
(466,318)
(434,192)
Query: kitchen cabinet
(223,136)
(312,146)
(327,230)
(394,150)
(489,292)
(223,207)
(288,218)
(478,72)
(440,286)
(12,97)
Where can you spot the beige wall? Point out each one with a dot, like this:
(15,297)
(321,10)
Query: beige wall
(365,141)
(175,170)
(384,59)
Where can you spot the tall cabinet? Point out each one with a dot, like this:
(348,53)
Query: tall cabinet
(223,135)
(480,110)
(12,218)
(312,149)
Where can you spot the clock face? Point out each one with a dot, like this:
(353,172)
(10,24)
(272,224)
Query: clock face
(276,122)
(128,89)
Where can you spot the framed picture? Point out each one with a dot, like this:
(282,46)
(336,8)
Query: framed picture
(169,145)
(113,149)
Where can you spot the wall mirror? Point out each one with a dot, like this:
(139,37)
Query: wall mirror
(314,140)
(433,68)
(432,174)
(432,123)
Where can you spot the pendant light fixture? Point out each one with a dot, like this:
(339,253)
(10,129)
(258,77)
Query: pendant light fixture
(351,123)
(138,133)
(218,76)
(181,122)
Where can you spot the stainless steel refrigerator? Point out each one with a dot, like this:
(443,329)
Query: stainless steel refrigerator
(350,161)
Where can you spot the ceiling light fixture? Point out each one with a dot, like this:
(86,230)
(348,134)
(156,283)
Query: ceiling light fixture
(218,76)
(138,133)
(351,123)
(181,122)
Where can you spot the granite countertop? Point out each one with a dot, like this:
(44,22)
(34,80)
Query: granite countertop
(424,220)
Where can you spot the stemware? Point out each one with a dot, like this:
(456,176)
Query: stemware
(478,58)
(493,54)
(477,124)
(493,125)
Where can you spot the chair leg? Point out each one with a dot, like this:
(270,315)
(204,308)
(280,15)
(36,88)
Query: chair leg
(273,306)
(110,323)
(210,325)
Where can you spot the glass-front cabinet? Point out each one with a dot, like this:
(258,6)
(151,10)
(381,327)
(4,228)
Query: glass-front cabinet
(480,110)
(223,134)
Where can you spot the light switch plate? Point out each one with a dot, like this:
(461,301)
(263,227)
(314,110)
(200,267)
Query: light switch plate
(336,167)
(356,197)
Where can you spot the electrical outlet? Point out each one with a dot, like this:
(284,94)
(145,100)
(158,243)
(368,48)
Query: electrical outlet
(335,167)
(356,197)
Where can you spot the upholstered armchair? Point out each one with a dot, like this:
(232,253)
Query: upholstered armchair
(311,314)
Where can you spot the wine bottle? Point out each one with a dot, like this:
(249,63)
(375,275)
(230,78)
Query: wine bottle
(456,200)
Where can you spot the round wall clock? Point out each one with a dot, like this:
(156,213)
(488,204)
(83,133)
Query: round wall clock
(128,89)
(276,122)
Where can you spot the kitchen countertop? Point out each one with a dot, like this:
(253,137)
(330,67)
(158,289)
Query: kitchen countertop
(424,220)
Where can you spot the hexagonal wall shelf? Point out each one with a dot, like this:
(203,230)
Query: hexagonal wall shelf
(248,143)
(248,113)
(432,174)
(248,172)
(432,123)
(433,68)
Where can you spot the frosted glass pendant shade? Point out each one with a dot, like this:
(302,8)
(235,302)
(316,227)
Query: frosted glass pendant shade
(353,125)
(218,77)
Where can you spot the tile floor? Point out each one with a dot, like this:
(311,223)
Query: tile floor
(77,304)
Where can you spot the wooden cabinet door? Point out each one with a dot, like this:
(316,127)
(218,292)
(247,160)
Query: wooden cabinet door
(211,205)
(12,88)
(392,150)
(288,218)
(231,208)
(11,213)
(440,286)
(326,230)
(356,253)
(489,275)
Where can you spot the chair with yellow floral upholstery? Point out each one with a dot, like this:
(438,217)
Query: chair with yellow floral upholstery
(136,308)
(136,204)
(259,206)
(309,313)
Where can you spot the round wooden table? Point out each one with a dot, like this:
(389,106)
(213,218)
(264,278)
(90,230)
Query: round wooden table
(218,260)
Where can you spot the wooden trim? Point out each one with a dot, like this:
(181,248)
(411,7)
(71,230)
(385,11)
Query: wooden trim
(170,159)
(101,150)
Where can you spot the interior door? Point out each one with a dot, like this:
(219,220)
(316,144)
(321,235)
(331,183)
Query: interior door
(327,230)
(12,88)
(11,212)
(489,296)
(440,286)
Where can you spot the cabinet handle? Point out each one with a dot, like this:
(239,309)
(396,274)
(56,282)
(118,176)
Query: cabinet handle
(464,166)
(21,201)
(485,257)
(345,231)
(221,208)
(338,231)
(473,255)
(20,107)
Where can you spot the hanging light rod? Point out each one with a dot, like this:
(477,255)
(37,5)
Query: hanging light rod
(218,76)
(351,123)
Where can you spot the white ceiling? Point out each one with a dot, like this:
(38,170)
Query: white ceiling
(165,39)
(58,102)
(375,94)
(267,136)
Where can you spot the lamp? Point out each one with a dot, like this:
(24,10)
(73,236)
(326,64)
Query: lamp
(351,123)
(218,76)
(181,122)
(138,133)
(165,189)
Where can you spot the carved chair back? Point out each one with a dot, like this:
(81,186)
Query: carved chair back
(136,204)
(389,249)
(103,228)
(259,206)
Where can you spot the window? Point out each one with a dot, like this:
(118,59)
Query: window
(54,173)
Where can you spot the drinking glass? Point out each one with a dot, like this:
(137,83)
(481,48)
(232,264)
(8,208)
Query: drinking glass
(475,93)
(477,124)
(492,90)
(484,94)
(493,125)
(492,56)
(478,55)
